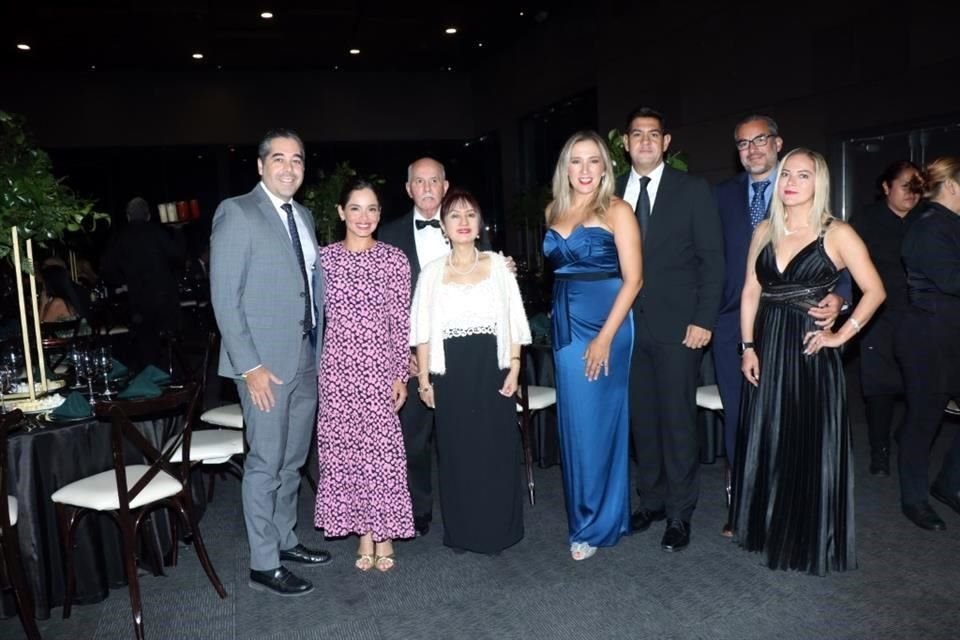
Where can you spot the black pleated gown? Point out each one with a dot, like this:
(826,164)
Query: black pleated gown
(793,480)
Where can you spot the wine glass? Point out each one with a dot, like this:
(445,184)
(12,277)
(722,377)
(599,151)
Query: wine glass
(104,363)
(85,367)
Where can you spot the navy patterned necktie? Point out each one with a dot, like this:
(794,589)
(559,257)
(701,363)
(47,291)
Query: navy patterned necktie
(643,207)
(758,205)
(298,249)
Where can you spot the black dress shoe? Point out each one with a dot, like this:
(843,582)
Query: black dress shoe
(281,582)
(951,499)
(304,555)
(880,462)
(421,525)
(642,519)
(923,515)
(677,535)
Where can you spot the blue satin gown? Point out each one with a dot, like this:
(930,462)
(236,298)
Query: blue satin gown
(593,417)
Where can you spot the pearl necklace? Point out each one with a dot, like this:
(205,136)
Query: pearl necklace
(476,261)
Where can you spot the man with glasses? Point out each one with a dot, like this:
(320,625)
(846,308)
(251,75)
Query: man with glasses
(673,316)
(743,202)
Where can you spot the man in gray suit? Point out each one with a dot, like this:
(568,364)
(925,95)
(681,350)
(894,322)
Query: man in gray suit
(267,293)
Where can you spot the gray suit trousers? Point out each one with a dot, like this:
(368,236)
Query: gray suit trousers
(279,442)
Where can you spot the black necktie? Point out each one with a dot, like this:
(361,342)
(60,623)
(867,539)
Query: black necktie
(427,223)
(643,208)
(298,249)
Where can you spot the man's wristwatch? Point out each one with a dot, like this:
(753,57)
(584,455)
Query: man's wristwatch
(742,347)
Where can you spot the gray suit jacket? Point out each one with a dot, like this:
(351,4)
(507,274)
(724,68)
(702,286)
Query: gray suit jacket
(256,288)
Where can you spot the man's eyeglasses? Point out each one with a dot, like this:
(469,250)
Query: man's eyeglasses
(760,141)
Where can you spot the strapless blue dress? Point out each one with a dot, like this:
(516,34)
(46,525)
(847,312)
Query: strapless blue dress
(593,417)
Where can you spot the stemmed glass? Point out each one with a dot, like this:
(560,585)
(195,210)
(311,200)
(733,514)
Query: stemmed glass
(75,357)
(104,363)
(85,367)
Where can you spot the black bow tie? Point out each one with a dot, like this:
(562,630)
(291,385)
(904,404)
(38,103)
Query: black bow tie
(427,223)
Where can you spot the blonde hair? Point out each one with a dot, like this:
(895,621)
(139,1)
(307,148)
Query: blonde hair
(562,190)
(819,215)
(937,171)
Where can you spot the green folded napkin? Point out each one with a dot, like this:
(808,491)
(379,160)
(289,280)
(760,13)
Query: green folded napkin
(119,370)
(141,386)
(155,374)
(75,406)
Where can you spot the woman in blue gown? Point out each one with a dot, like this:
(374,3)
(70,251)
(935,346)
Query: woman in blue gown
(593,243)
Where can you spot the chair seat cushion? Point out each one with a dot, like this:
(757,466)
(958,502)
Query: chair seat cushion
(539,398)
(708,397)
(212,446)
(12,509)
(230,416)
(99,492)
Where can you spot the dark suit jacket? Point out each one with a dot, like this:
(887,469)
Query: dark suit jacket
(399,233)
(149,259)
(734,209)
(683,263)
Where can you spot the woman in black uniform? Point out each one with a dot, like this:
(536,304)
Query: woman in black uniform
(882,226)
(928,342)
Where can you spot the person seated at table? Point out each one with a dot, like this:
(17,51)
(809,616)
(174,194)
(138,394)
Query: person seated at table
(60,300)
(467,323)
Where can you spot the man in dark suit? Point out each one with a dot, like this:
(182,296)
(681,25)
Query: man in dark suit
(419,236)
(743,202)
(674,316)
(148,258)
(267,293)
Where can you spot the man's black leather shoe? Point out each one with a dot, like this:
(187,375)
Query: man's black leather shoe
(952,500)
(677,535)
(923,515)
(304,555)
(421,525)
(642,519)
(281,582)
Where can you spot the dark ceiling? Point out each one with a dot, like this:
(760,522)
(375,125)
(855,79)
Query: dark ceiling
(231,35)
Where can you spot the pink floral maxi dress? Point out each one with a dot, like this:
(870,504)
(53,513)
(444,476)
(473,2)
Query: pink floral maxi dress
(363,470)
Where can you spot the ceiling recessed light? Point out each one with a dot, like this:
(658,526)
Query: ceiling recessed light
(336,67)
(93,67)
(521,13)
(266,15)
(480,45)
(449,68)
(198,56)
(450,31)
(354,52)
(23,46)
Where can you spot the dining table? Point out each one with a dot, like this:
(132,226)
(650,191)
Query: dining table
(45,454)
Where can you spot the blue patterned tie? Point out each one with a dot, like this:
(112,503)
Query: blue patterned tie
(758,206)
(298,249)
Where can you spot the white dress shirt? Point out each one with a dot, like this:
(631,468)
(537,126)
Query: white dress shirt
(632,193)
(430,241)
(309,251)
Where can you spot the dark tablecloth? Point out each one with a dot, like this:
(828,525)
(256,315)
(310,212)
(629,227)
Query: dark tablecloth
(44,460)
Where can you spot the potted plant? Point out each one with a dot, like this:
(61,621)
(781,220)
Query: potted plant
(32,199)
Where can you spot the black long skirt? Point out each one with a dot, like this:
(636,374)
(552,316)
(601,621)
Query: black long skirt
(478,445)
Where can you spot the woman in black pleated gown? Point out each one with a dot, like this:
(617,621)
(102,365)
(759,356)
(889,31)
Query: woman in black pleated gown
(793,480)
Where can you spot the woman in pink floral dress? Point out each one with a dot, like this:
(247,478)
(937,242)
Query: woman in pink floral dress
(362,488)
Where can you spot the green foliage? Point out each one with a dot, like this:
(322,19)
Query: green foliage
(621,162)
(321,197)
(31,198)
(527,209)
